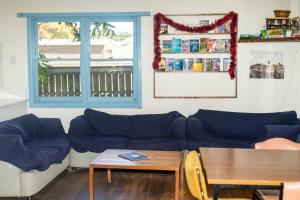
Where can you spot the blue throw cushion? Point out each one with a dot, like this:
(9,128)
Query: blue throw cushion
(109,125)
(290,132)
(242,125)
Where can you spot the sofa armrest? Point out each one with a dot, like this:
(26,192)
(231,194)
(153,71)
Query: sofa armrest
(196,131)
(14,151)
(11,179)
(79,126)
(178,127)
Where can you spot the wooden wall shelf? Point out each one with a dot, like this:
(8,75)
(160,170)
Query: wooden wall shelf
(287,39)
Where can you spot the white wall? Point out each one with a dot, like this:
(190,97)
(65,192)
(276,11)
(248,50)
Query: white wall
(253,95)
(11,108)
(295,7)
(1,65)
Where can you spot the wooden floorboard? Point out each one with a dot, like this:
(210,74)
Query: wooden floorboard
(126,185)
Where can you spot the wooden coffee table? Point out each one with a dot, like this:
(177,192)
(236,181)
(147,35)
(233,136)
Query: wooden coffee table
(160,161)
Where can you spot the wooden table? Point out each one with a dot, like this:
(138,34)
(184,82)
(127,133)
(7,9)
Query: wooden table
(160,161)
(250,168)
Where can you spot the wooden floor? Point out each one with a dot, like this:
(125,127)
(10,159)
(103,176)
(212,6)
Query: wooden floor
(126,185)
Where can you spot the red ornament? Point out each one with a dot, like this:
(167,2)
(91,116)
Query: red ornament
(232,16)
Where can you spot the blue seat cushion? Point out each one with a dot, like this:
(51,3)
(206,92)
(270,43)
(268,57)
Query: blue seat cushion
(166,144)
(97,144)
(48,151)
(242,125)
(218,143)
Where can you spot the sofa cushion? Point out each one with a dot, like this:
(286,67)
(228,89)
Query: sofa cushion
(153,125)
(107,124)
(290,132)
(218,143)
(242,125)
(132,126)
(49,151)
(166,144)
(198,136)
(97,143)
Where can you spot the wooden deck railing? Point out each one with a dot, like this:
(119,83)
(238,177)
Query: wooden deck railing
(105,82)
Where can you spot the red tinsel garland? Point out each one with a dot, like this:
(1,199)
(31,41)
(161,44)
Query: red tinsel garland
(159,18)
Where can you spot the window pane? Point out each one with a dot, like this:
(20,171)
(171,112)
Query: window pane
(111,40)
(111,78)
(59,78)
(59,40)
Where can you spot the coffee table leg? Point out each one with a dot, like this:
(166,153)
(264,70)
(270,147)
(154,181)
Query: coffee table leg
(91,182)
(109,175)
(177,182)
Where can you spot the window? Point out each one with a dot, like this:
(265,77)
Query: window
(84,60)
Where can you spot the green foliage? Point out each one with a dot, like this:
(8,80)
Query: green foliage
(99,29)
(102,29)
(43,71)
(51,30)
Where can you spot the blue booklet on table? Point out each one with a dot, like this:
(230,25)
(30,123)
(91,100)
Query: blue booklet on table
(134,156)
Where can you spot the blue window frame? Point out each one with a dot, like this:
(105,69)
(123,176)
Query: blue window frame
(100,70)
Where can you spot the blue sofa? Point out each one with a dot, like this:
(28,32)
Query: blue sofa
(96,131)
(29,142)
(209,128)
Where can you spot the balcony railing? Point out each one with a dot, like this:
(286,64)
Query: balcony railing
(105,82)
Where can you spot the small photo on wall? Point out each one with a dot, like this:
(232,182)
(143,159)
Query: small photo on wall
(266,65)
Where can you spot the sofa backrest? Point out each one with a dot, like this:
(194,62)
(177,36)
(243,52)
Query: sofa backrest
(30,127)
(242,125)
(132,126)
(26,126)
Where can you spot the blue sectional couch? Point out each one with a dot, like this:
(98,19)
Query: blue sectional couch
(209,128)
(96,131)
(29,142)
